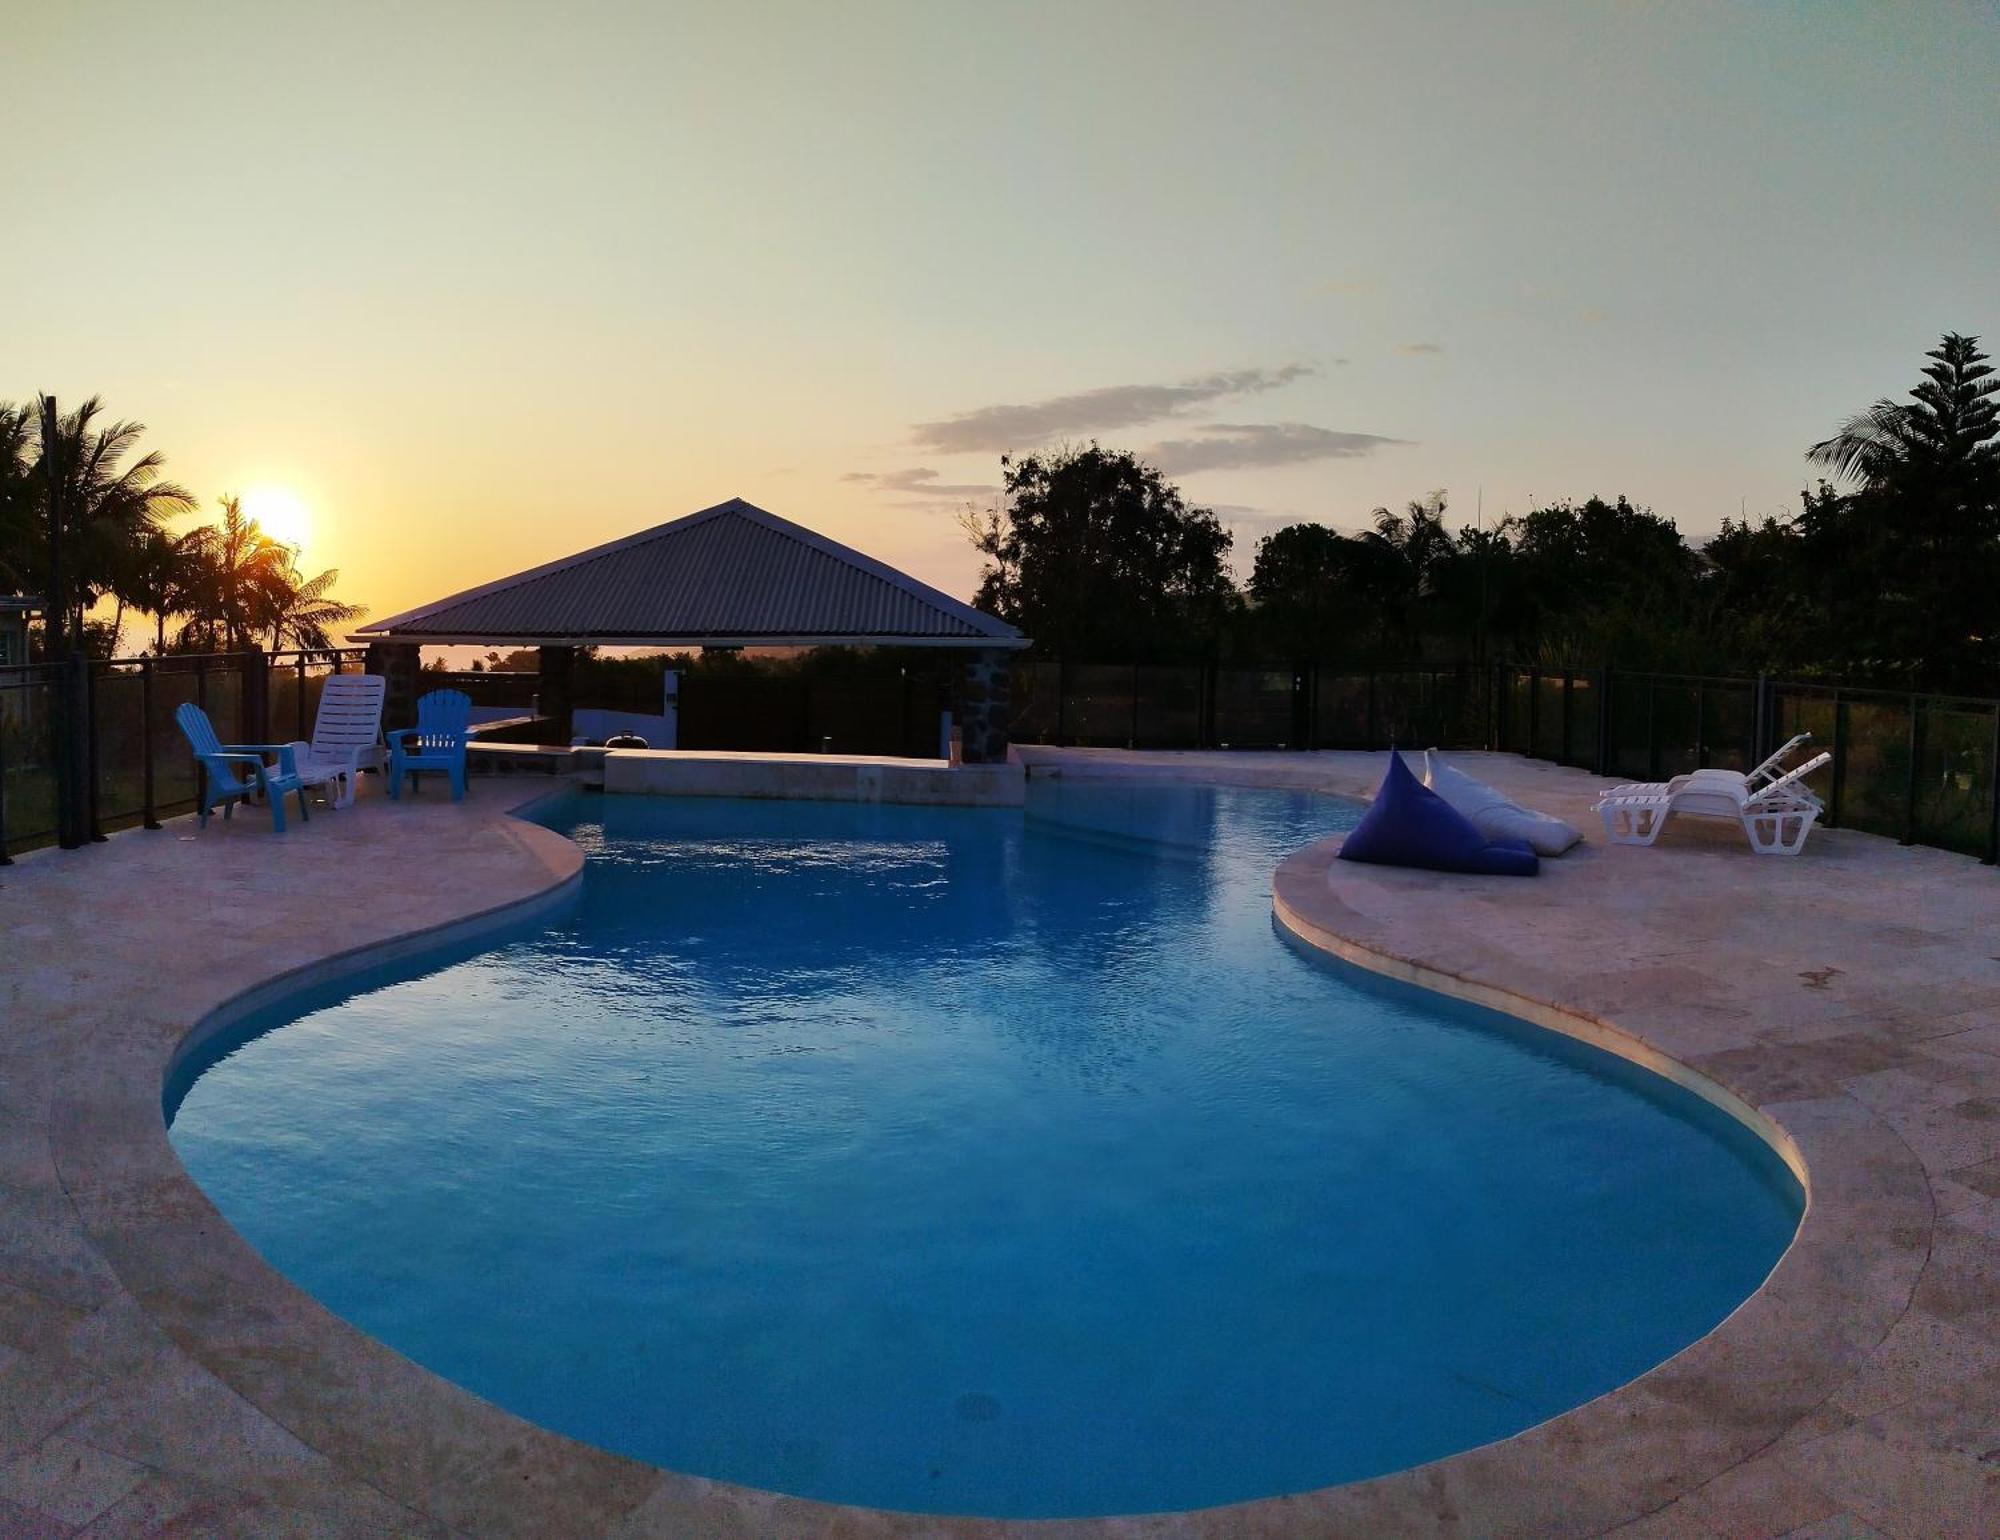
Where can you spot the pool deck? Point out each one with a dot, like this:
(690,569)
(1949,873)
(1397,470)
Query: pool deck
(157,1378)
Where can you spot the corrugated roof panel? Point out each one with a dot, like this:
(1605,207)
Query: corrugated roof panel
(729,572)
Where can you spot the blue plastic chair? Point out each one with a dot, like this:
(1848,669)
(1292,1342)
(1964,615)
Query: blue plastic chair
(222,783)
(437,742)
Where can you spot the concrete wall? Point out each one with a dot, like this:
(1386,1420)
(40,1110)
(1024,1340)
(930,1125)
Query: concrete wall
(812,777)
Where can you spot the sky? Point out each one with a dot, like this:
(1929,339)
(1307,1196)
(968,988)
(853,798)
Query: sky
(455,289)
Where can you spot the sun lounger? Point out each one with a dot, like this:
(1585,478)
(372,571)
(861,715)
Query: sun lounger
(347,736)
(1776,817)
(1749,780)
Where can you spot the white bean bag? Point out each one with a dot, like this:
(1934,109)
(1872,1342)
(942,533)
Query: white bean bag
(1492,814)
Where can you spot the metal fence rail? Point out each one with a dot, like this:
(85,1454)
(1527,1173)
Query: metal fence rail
(1204,706)
(1922,768)
(105,731)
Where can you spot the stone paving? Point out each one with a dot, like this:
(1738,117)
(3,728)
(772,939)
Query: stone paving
(157,1378)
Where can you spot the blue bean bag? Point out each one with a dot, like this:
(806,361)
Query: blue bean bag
(1411,825)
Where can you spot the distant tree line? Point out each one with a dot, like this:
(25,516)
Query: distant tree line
(214,587)
(1889,570)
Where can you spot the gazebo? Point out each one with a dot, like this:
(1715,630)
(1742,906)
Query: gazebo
(733,575)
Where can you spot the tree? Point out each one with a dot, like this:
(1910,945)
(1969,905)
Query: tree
(110,503)
(1602,581)
(165,579)
(240,567)
(243,585)
(305,610)
(1304,591)
(1095,556)
(17,497)
(1921,523)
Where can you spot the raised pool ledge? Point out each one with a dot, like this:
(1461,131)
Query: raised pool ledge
(814,777)
(156,1370)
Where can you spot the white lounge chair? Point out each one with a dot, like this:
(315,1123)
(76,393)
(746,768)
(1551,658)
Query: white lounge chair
(347,736)
(1749,780)
(1776,817)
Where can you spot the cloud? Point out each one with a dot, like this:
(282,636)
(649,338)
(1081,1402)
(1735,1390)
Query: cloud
(990,429)
(1365,284)
(1234,445)
(1593,315)
(1419,349)
(919,479)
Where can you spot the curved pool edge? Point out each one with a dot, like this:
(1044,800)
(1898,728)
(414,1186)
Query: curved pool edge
(354,1428)
(1296,889)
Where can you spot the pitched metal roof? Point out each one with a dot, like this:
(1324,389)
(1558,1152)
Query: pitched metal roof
(731,575)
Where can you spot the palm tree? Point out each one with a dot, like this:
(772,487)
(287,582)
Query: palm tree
(1947,431)
(17,497)
(1908,559)
(109,503)
(164,579)
(239,567)
(306,611)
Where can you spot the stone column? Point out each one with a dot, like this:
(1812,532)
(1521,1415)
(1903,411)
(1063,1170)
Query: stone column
(399,664)
(553,698)
(985,705)
(255,701)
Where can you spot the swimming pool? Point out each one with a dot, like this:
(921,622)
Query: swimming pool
(971,1161)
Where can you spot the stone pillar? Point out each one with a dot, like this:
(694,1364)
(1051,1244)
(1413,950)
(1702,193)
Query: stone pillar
(399,663)
(553,698)
(985,705)
(255,700)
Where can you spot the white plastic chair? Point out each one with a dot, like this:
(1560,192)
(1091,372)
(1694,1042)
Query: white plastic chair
(1750,780)
(1776,818)
(347,736)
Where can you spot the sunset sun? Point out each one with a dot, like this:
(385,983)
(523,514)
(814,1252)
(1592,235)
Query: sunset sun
(280,513)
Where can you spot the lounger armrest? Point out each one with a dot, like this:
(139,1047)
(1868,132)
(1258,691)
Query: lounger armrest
(278,751)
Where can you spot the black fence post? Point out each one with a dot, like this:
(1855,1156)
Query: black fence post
(300,703)
(1834,797)
(1498,681)
(1062,699)
(149,814)
(1534,712)
(1568,710)
(1603,766)
(1760,721)
(1372,730)
(1652,730)
(1132,730)
(254,703)
(1916,751)
(5,859)
(92,761)
(1993,796)
(72,802)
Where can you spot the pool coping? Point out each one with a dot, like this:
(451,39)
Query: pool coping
(164,1308)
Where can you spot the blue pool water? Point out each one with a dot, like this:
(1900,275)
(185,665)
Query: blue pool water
(957,1160)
